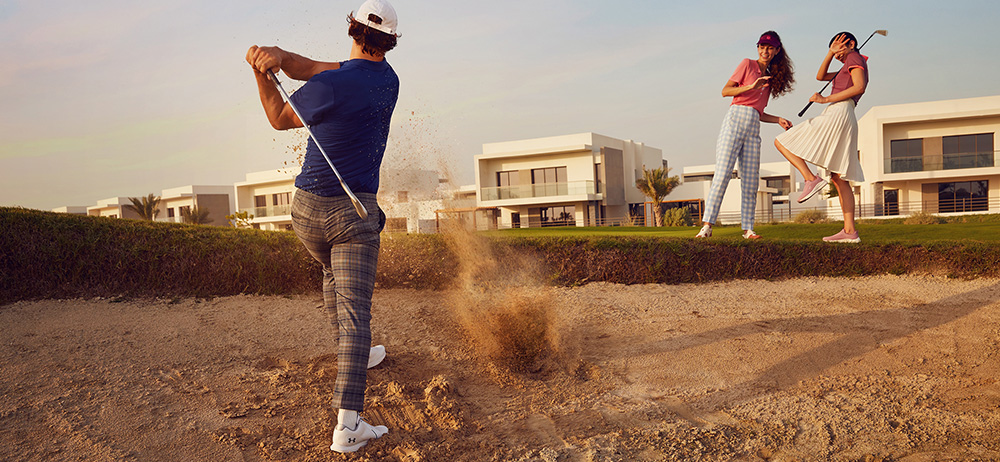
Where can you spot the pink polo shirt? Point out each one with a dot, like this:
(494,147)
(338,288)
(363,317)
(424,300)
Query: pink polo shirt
(843,80)
(746,74)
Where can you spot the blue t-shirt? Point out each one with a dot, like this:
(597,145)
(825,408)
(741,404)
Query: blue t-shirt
(349,111)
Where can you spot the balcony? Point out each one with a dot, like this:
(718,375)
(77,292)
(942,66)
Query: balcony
(945,162)
(571,188)
(273,211)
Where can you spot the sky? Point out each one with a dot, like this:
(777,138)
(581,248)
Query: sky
(111,98)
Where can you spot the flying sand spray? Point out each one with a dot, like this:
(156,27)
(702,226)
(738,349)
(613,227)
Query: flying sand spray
(881,32)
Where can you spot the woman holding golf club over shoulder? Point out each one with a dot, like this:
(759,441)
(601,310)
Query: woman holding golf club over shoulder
(346,108)
(830,140)
(750,86)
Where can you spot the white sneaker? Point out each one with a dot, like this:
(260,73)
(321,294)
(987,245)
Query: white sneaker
(376,355)
(706,231)
(348,440)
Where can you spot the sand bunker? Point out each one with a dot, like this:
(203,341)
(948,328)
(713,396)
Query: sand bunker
(879,368)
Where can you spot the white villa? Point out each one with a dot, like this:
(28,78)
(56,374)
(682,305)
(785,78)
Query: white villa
(584,179)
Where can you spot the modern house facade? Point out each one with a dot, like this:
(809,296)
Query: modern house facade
(583,179)
(778,181)
(112,207)
(409,199)
(936,157)
(267,195)
(218,201)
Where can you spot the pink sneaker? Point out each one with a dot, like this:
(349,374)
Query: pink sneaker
(811,188)
(843,236)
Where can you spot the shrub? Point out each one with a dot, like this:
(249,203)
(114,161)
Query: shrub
(923,218)
(811,216)
(678,216)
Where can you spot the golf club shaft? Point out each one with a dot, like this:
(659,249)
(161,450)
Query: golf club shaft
(358,206)
(803,111)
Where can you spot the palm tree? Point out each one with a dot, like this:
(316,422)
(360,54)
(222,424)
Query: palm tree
(195,216)
(147,207)
(655,184)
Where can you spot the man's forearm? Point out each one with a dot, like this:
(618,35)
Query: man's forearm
(274,105)
(299,67)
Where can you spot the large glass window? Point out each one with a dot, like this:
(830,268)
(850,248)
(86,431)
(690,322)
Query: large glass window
(968,151)
(965,196)
(507,183)
(549,181)
(282,198)
(560,215)
(906,155)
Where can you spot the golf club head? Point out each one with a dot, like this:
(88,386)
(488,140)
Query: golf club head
(882,32)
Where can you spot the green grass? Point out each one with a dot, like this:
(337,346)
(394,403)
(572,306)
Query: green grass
(872,232)
(50,255)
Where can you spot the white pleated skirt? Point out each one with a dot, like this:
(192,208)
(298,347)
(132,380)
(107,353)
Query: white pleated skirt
(829,140)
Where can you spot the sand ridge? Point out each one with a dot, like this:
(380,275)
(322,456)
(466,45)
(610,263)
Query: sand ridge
(874,368)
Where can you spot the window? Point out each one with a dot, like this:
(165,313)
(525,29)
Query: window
(507,183)
(515,220)
(282,198)
(549,181)
(260,201)
(967,151)
(906,155)
(782,183)
(170,212)
(560,215)
(966,196)
(693,178)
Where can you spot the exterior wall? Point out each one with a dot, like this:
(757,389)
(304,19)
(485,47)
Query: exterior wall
(217,206)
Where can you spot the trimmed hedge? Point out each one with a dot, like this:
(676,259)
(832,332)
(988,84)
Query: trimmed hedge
(51,255)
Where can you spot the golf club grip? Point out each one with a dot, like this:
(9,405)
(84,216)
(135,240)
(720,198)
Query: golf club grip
(803,111)
(358,206)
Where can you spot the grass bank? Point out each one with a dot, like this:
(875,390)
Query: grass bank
(50,255)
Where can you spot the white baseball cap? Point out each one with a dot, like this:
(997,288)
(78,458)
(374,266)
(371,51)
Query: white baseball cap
(379,15)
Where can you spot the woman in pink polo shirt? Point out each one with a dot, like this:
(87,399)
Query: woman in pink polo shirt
(830,140)
(753,82)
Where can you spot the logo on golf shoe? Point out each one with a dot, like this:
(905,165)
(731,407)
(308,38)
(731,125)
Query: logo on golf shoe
(350,440)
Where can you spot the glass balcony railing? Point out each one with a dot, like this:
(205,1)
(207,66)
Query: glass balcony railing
(273,211)
(944,162)
(572,188)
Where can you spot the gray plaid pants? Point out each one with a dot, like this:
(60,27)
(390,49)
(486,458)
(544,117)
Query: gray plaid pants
(347,246)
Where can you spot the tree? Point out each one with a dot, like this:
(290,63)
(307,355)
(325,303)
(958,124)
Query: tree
(147,207)
(655,184)
(241,219)
(195,215)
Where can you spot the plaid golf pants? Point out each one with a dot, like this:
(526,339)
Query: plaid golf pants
(347,246)
(739,140)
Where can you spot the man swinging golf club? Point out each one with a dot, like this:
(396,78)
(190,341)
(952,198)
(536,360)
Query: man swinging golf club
(348,106)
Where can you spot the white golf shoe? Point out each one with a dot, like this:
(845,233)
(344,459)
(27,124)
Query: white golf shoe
(376,355)
(350,440)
